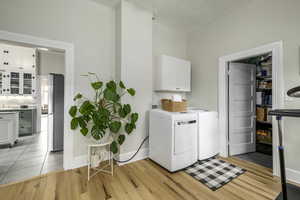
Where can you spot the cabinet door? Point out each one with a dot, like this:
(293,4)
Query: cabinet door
(26,122)
(15,83)
(5,83)
(28,58)
(173,74)
(27,83)
(6,127)
(11,58)
(1,81)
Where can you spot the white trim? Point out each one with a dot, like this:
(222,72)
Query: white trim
(278,92)
(81,161)
(293,175)
(68,48)
(142,154)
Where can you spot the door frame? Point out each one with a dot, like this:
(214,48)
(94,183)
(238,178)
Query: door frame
(276,48)
(68,48)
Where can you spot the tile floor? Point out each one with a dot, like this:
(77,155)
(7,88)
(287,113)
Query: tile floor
(28,158)
(258,158)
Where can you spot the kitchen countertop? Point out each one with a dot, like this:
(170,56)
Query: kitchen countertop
(5,113)
(17,109)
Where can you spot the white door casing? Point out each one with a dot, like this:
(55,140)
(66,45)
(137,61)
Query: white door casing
(241,99)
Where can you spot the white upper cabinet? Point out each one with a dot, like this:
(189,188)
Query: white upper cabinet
(15,57)
(17,70)
(173,74)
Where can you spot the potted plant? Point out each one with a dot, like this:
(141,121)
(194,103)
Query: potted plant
(104,115)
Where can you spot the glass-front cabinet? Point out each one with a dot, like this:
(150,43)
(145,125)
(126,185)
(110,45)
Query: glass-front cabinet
(1,82)
(15,83)
(27,83)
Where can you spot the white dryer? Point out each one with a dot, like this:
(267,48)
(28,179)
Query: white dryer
(208,133)
(173,139)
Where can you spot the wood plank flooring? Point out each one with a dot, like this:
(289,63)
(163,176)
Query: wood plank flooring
(143,180)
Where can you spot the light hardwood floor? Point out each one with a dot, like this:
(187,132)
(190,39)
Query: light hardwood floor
(142,180)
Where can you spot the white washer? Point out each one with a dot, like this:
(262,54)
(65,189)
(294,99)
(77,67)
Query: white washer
(173,139)
(208,133)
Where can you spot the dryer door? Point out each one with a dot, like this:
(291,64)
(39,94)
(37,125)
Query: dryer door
(185,134)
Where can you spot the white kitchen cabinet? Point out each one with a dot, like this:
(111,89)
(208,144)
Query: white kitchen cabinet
(173,74)
(17,58)
(9,126)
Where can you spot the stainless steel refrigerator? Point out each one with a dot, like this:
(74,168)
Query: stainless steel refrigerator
(56,112)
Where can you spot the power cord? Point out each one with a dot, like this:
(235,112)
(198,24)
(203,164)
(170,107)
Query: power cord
(123,161)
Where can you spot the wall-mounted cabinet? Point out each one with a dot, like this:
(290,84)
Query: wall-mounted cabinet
(17,70)
(17,58)
(173,74)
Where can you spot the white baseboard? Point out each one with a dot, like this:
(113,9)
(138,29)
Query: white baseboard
(142,154)
(293,175)
(81,161)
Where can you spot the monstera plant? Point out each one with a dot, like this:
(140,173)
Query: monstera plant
(104,114)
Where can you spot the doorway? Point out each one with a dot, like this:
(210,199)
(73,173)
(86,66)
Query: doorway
(276,49)
(68,49)
(249,101)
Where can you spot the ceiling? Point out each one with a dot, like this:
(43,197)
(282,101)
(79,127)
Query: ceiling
(187,14)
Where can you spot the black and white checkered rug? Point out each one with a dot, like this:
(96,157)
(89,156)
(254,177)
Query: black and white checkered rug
(214,173)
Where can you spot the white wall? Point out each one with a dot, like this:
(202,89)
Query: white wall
(86,24)
(167,41)
(51,62)
(261,22)
(134,60)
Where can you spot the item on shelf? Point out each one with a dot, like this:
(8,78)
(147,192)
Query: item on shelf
(269,85)
(172,106)
(259,98)
(261,114)
(269,117)
(264,136)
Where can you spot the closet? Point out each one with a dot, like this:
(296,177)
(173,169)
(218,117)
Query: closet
(249,100)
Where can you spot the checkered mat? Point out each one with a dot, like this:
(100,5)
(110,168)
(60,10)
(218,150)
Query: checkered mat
(214,173)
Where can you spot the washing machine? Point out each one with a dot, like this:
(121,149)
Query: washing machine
(208,133)
(173,139)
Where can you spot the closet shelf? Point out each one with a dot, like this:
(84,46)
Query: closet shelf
(264,122)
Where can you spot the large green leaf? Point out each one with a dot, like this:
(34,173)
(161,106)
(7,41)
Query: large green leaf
(115,126)
(134,117)
(121,84)
(86,108)
(127,109)
(131,91)
(111,85)
(74,123)
(121,139)
(114,147)
(129,127)
(84,131)
(78,96)
(111,95)
(97,85)
(73,111)
(121,112)
(97,132)
(81,122)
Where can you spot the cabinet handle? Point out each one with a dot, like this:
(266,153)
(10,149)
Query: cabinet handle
(4,90)
(7,90)
(5,63)
(33,77)
(33,66)
(4,76)
(7,76)
(5,51)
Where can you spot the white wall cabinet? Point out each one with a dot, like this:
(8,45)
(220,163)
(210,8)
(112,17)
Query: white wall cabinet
(173,74)
(17,70)
(9,125)
(17,58)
